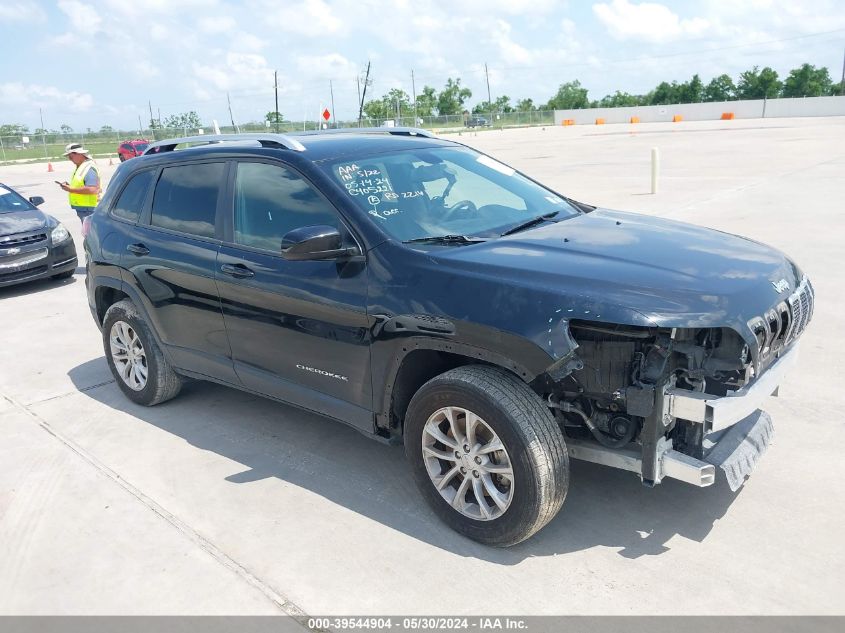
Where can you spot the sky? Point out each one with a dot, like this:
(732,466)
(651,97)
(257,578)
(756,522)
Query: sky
(89,63)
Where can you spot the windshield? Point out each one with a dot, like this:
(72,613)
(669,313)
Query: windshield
(140,147)
(11,201)
(428,192)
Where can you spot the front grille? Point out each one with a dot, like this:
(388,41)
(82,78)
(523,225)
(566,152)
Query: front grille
(18,260)
(23,274)
(9,242)
(801,303)
(783,324)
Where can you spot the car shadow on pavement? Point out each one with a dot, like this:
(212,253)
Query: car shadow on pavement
(604,507)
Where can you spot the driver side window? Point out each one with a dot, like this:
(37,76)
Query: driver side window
(271,201)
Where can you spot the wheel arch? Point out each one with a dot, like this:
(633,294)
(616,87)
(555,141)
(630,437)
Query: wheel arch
(109,291)
(419,359)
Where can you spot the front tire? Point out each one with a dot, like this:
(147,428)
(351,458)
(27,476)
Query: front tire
(487,454)
(135,359)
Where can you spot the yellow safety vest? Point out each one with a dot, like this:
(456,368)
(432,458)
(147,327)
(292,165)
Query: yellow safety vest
(78,180)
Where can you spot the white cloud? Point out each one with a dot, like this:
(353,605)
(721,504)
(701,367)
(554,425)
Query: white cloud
(243,41)
(238,71)
(36,95)
(509,51)
(21,12)
(217,24)
(84,18)
(329,66)
(646,21)
(306,17)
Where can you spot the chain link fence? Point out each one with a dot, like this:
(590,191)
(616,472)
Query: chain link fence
(50,146)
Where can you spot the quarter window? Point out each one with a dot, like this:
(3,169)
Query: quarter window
(271,201)
(128,205)
(186,196)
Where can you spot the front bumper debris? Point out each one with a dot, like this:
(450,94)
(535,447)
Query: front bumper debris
(718,413)
(738,449)
(735,450)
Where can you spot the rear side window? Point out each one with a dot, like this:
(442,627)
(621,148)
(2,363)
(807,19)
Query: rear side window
(131,200)
(185,198)
(271,201)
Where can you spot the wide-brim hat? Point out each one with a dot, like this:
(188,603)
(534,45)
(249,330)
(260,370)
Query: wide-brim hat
(76,148)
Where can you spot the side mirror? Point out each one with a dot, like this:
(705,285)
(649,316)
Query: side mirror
(36,200)
(314,243)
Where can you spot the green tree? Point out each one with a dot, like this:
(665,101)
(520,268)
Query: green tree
(525,105)
(274,117)
(13,129)
(375,109)
(720,88)
(754,84)
(569,96)
(385,108)
(65,128)
(426,101)
(184,120)
(106,129)
(502,105)
(807,81)
(451,98)
(619,99)
(691,91)
(400,97)
(664,94)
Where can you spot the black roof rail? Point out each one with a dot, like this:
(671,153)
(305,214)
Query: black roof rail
(396,131)
(266,140)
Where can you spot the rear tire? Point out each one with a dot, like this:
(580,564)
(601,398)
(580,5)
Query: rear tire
(135,359)
(465,481)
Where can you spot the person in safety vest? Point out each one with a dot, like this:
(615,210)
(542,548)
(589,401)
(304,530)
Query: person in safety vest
(84,187)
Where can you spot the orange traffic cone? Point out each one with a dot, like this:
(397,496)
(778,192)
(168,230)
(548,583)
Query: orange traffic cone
(50,167)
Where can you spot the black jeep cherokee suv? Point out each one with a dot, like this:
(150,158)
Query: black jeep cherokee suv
(428,294)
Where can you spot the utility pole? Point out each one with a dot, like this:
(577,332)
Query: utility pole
(358,79)
(842,81)
(489,100)
(152,121)
(43,133)
(140,127)
(364,95)
(276,111)
(334,117)
(231,117)
(414,93)
(159,117)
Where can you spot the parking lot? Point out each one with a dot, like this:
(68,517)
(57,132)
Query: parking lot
(222,502)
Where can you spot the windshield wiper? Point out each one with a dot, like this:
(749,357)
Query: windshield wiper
(530,223)
(445,239)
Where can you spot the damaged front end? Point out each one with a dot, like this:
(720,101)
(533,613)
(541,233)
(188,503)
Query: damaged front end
(675,402)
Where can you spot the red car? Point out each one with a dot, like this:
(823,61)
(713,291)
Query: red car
(131,149)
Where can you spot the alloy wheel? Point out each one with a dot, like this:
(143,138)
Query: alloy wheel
(128,354)
(467,463)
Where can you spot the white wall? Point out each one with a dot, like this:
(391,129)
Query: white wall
(809,106)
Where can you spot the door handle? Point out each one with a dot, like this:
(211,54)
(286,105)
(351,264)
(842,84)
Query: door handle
(237,270)
(138,249)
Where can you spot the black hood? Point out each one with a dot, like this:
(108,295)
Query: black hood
(23,221)
(671,273)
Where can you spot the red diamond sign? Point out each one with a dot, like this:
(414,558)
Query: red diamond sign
(326,114)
